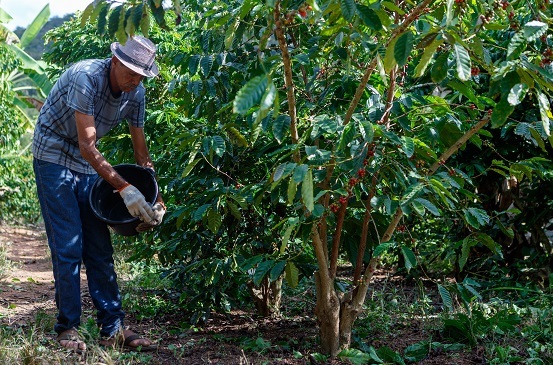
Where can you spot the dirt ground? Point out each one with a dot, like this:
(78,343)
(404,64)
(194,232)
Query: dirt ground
(226,339)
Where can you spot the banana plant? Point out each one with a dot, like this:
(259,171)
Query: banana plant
(29,82)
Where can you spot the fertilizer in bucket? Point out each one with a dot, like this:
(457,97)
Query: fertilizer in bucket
(108,205)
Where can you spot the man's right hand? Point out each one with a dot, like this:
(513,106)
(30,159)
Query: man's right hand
(136,203)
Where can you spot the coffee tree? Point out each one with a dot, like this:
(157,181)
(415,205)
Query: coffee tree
(331,128)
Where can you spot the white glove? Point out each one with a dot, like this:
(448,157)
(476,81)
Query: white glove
(136,204)
(157,217)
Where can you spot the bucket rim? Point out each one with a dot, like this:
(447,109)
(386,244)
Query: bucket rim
(99,180)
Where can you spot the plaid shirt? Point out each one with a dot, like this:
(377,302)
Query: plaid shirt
(84,87)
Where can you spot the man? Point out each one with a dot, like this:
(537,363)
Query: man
(87,101)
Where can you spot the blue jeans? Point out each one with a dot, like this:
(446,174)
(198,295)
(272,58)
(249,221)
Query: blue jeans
(76,236)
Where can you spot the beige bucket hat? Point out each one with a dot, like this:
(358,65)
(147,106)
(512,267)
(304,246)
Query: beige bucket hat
(138,54)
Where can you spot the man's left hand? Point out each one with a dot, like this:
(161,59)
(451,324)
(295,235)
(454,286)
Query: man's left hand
(157,218)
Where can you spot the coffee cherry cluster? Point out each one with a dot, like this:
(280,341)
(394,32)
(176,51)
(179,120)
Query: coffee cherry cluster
(547,57)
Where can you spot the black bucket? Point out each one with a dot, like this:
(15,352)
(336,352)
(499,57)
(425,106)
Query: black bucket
(109,207)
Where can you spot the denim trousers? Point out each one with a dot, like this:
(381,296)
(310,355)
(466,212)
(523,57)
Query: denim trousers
(76,236)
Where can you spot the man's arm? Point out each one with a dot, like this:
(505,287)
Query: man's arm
(86,130)
(133,198)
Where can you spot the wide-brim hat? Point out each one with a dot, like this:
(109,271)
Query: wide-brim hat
(138,54)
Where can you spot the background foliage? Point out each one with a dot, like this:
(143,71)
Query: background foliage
(240,162)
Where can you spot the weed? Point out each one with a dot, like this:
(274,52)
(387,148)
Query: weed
(5,264)
(258,345)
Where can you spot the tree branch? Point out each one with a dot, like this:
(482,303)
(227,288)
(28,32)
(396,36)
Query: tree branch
(287,64)
(326,281)
(410,18)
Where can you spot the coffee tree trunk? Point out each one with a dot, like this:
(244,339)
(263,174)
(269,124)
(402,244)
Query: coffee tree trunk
(267,297)
(337,312)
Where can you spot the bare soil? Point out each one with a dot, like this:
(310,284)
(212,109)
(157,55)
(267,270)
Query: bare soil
(226,338)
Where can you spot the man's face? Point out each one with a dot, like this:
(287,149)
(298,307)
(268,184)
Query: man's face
(124,79)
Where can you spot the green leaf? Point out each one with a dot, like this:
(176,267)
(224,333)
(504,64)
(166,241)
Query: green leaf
(136,15)
(465,89)
(280,126)
(468,243)
(87,12)
(534,29)
(145,21)
(389,58)
(292,274)
(537,137)
(403,48)
(369,17)
(113,20)
(35,27)
(347,136)
(214,220)
(234,210)
(283,170)
(409,256)
(307,191)
(291,192)
(411,192)
(417,207)
(354,356)
(446,297)
(517,94)
(97,10)
(440,68)
(199,213)
(291,226)
(277,270)
(28,63)
(5,17)
(262,269)
(382,248)
(206,64)
(449,12)
(390,356)
(218,145)
(501,112)
(102,21)
(408,146)
(348,9)
(476,217)
(462,59)
(487,241)
(158,12)
(240,200)
(189,167)
(250,94)
(299,173)
(418,351)
(269,97)
(429,206)
(393,7)
(367,130)
(516,46)
(427,57)
(519,170)
(545,113)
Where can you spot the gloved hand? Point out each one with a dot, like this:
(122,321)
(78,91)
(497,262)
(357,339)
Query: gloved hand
(159,212)
(136,203)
